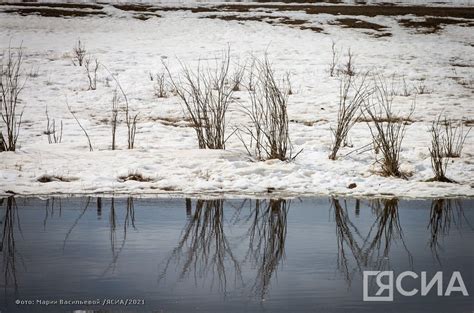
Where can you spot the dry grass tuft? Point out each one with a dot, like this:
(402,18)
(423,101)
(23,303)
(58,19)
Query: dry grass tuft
(134,176)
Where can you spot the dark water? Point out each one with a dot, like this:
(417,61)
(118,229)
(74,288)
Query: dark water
(178,255)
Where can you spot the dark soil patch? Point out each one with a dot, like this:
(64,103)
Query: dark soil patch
(136,7)
(461,65)
(144,16)
(313,28)
(272,20)
(49,12)
(289,21)
(432,24)
(380,35)
(363,10)
(175,122)
(50,178)
(134,176)
(395,119)
(236,18)
(54,5)
(356,23)
(442,180)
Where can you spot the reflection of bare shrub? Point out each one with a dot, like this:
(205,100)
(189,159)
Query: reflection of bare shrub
(444,212)
(387,129)
(372,250)
(11,84)
(7,243)
(269,128)
(203,247)
(79,53)
(207,95)
(129,219)
(351,97)
(267,234)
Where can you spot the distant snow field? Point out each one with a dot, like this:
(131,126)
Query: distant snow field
(166,150)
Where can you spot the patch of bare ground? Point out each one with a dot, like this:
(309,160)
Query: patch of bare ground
(54,5)
(51,12)
(469,123)
(308,122)
(272,20)
(135,177)
(136,7)
(394,119)
(357,23)
(352,10)
(316,29)
(173,121)
(464,82)
(54,178)
(379,30)
(145,16)
(431,25)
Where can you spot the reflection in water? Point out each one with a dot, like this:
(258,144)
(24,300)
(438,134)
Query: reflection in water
(129,220)
(370,251)
(50,209)
(7,245)
(267,235)
(203,248)
(75,222)
(246,247)
(444,212)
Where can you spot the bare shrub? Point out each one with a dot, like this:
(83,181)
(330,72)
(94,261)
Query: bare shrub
(34,72)
(54,136)
(160,85)
(130,119)
(251,77)
(80,125)
(351,98)
(406,90)
(91,70)
(207,96)
(237,77)
(387,129)
(455,135)
(114,117)
(11,85)
(421,87)
(348,67)
(439,160)
(334,59)
(268,131)
(79,53)
(288,83)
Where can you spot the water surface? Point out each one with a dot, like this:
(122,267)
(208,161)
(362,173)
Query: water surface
(188,255)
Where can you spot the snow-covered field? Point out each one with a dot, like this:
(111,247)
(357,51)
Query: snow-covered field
(166,148)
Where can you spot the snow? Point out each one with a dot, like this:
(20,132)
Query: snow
(168,154)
